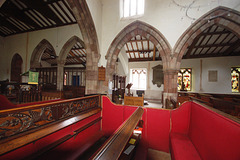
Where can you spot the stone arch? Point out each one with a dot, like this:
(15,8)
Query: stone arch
(62,59)
(67,47)
(38,51)
(221,16)
(134,29)
(157,38)
(16,68)
(84,19)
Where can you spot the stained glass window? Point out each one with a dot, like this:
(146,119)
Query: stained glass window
(184,79)
(235,72)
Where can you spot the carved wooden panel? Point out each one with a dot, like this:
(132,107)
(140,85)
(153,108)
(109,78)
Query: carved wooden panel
(158,75)
(19,120)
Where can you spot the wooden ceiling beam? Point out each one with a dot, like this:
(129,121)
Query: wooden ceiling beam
(42,8)
(191,47)
(13,11)
(133,49)
(215,33)
(140,51)
(210,55)
(140,59)
(205,36)
(148,48)
(77,58)
(213,45)
(231,49)
(77,49)
(4,22)
(138,40)
(128,50)
(137,47)
(154,53)
(142,46)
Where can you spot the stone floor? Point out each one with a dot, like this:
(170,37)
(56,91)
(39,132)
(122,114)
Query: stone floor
(153,103)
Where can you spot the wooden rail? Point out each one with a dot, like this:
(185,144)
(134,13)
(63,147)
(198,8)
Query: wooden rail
(116,143)
(18,120)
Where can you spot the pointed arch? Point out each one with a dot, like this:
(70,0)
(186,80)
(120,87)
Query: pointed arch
(221,16)
(38,51)
(84,19)
(132,30)
(16,68)
(68,46)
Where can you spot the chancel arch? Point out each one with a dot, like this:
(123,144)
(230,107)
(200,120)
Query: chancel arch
(150,33)
(16,68)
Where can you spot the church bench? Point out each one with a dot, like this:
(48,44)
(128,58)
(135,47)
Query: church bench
(200,132)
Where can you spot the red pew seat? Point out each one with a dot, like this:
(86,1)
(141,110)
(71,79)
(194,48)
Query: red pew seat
(200,133)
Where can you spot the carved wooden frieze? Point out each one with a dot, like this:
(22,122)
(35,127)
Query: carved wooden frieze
(158,75)
(21,120)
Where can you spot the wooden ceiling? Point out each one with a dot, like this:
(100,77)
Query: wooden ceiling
(141,49)
(215,41)
(19,16)
(77,55)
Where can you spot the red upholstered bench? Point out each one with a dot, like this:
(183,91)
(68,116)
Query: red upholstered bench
(200,133)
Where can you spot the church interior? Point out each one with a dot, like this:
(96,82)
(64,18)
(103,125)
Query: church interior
(120,79)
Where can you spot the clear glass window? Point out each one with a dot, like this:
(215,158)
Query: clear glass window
(131,8)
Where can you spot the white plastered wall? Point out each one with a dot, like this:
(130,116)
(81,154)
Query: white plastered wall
(164,15)
(25,43)
(223,67)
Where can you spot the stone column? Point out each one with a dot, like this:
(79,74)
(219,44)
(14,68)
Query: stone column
(60,70)
(170,85)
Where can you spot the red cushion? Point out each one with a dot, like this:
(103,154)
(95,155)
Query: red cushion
(112,116)
(182,148)
(213,135)
(180,118)
(5,103)
(157,126)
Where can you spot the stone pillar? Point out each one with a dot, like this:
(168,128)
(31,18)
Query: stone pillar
(170,85)
(60,70)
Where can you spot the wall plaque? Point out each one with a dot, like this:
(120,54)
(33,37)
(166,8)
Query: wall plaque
(158,75)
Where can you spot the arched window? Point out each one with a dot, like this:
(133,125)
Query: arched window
(16,68)
(131,8)
(138,77)
(235,72)
(185,79)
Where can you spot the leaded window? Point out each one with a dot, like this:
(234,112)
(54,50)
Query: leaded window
(184,80)
(235,72)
